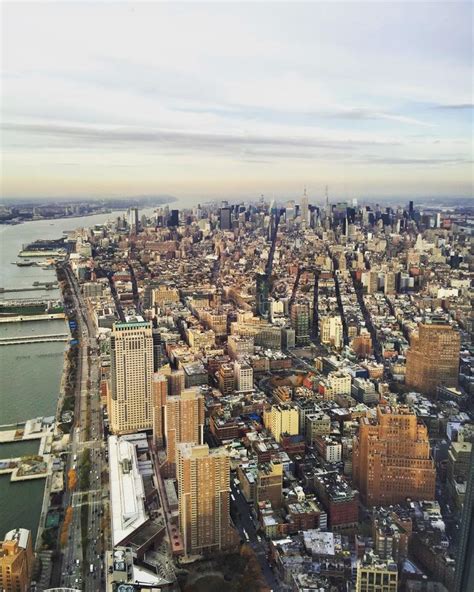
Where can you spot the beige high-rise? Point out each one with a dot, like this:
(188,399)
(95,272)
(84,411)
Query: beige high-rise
(184,422)
(16,561)
(131,396)
(391,458)
(433,358)
(203,493)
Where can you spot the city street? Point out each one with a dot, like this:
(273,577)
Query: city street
(241,511)
(83,568)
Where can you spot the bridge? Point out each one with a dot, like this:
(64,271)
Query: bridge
(20,340)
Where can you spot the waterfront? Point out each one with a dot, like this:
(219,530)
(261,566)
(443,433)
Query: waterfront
(30,374)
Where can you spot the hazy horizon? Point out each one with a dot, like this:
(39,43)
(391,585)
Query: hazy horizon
(215,101)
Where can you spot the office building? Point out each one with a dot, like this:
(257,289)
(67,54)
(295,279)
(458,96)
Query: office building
(160,392)
(433,358)
(391,458)
(184,422)
(225,218)
(376,575)
(225,379)
(16,561)
(131,393)
(300,321)
(203,493)
(464,563)
(330,331)
(281,419)
(173,220)
(243,374)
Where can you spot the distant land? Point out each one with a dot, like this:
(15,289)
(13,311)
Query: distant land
(18,210)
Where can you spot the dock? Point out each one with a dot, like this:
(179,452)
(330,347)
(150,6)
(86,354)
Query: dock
(33,339)
(27,318)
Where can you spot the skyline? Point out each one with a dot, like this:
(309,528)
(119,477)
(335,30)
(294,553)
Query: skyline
(224,100)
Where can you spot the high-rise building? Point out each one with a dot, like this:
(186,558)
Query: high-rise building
(160,392)
(304,209)
(225,218)
(433,358)
(376,575)
(300,321)
(330,330)
(281,419)
(173,220)
(131,393)
(243,373)
(225,378)
(16,561)
(391,458)
(203,493)
(184,422)
(133,220)
(464,564)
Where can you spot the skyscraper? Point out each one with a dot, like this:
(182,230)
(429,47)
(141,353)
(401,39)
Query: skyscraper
(225,218)
(203,494)
(433,358)
(391,458)
(184,422)
(300,320)
(16,561)
(131,396)
(464,563)
(304,209)
(173,220)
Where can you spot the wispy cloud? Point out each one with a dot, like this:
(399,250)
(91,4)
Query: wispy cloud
(458,107)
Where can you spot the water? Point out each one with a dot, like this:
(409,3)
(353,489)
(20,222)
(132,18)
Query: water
(17,449)
(30,374)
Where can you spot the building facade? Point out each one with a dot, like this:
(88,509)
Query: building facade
(433,358)
(203,493)
(391,458)
(16,561)
(131,393)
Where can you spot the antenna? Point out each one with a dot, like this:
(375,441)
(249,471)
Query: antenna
(327,195)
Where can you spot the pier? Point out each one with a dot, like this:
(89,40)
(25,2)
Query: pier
(33,339)
(41,317)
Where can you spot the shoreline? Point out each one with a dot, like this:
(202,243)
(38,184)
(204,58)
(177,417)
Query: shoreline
(48,483)
(87,215)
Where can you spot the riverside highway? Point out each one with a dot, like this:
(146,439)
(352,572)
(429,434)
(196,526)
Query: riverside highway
(76,571)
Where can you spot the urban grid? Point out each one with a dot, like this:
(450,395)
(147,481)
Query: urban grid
(263,396)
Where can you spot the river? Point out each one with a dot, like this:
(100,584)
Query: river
(30,374)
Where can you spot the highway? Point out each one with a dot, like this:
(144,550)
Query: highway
(86,435)
(243,519)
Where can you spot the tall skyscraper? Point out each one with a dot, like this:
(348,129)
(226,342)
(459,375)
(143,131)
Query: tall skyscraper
(304,209)
(433,358)
(464,561)
(391,458)
(225,218)
(131,396)
(184,422)
(133,220)
(16,561)
(300,321)
(173,220)
(203,494)
(160,393)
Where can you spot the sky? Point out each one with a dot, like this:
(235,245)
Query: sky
(233,100)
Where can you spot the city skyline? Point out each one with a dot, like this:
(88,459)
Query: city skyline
(212,100)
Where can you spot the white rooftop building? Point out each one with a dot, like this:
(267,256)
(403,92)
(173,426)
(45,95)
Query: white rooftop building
(127,493)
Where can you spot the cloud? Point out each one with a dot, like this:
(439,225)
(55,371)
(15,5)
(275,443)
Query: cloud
(458,107)
(70,135)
